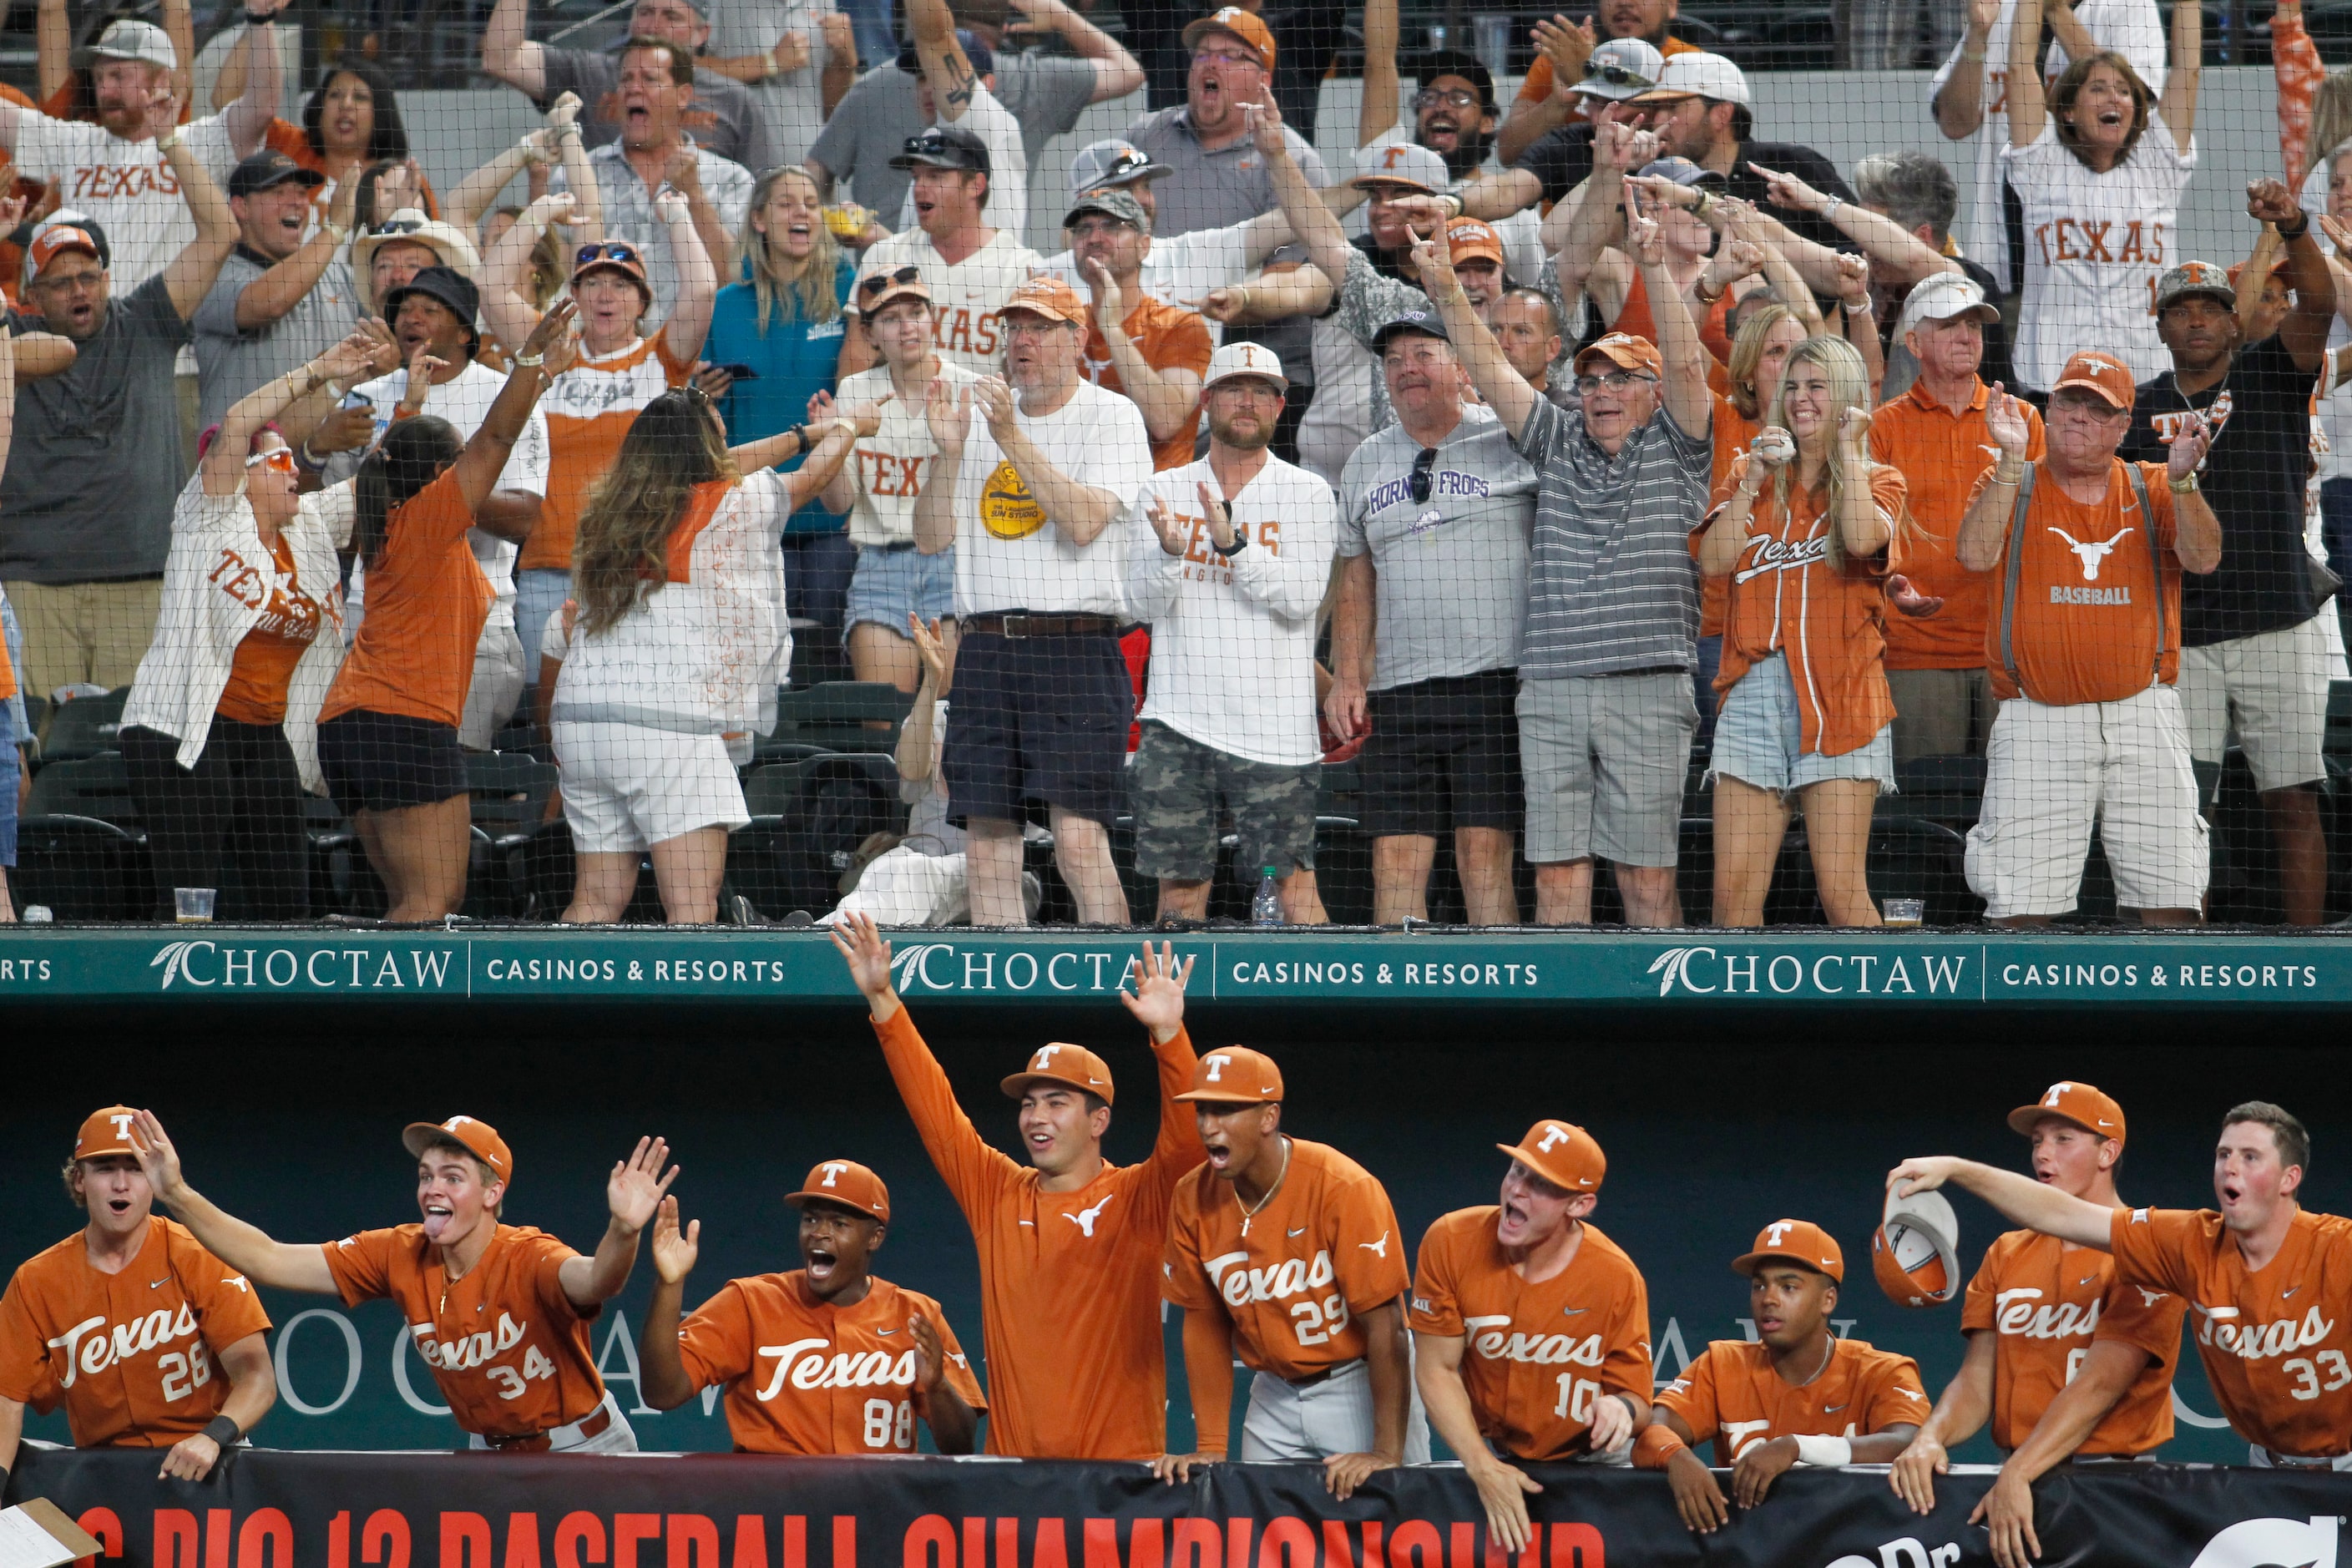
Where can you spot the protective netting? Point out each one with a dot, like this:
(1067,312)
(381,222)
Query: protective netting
(1023,464)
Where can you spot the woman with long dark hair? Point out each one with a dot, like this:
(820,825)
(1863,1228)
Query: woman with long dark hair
(388,732)
(681,643)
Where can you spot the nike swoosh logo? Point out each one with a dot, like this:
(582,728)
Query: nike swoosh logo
(2282,1295)
(1300,1231)
(1572,1312)
(1030,1223)
(167,1279)
(1832,1409)
(886,1331)
(2086,1280)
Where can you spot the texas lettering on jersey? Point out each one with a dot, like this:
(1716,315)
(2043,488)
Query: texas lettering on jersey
(962,329)
(2096,240)
(117,182)
(1771,554)
(806,1364)
(1202,561)
(92,1346)
(888,474)
(2215,416)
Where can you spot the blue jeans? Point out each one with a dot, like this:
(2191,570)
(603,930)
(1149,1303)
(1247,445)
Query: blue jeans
(539,593)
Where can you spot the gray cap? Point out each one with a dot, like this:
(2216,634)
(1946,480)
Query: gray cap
(1620,68)
(1115,162)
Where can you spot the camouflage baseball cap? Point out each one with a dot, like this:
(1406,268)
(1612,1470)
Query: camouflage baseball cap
(2194,278)
(1113,203)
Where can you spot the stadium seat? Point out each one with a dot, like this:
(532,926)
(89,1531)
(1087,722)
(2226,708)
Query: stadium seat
(510,791)
(1948,790)
(809,819)
(82,869)
(97,786)
(835,716)
(84,727)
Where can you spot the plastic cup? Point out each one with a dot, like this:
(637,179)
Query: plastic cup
(1905,911)
(192,906)
(1492,37)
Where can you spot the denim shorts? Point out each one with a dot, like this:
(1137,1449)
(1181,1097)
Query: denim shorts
(1758,735)
(890,584)
(11,760)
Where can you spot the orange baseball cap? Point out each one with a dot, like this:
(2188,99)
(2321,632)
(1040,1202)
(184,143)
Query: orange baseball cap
(1625,351)
(1797,1241)
(106,1131)
(847,1183)
(1049,296)
(476,1137)
(1562,1153)
(1242,25)
(2085,1105)
(1470,239)
(1073,1067)
(1235,1074)
(2099,372)
(56,238)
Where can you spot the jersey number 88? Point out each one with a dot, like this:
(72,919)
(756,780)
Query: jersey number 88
(889,1424)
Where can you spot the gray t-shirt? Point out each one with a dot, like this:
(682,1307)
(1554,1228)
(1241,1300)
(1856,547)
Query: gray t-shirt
(1211,190)
(1613,588)
(1452,571)
(1046,94)
(724,118)
(792,104)
(868,127)
(231,362)
(96,466)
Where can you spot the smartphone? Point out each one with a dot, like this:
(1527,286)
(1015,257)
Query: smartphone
(355,398)
(739,372)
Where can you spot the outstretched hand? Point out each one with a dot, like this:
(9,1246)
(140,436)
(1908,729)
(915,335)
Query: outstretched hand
(1157,1002)
(158,1160)
(859,941)
(1905,596)
(674,1248)
(634,1188)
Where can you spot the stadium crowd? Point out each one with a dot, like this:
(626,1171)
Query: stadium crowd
(1558,464)
(1518,1332)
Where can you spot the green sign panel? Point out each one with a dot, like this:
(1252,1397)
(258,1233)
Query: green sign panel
(1682,970)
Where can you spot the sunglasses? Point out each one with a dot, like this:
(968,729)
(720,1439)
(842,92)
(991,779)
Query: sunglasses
(881,280)
(1416,483)
(278,460)
(610,250)
(1430,98)
(1617,75)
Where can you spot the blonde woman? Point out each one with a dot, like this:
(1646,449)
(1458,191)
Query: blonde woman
(681,641)
(784,325)
(1807,527)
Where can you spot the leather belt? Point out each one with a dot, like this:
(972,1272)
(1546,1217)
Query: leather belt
(2302,1461)
(895,547)
(589,1425)
(1018,624)
(1314,1378)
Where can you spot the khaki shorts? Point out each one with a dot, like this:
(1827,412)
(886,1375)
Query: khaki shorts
(497,685)
(2272,686)
(96,632)
(1604,757)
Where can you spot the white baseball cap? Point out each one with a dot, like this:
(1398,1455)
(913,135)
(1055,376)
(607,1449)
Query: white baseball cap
(1941,296)
(1621,68)
(1702,75)
(1245,359)
(1401,163)
(130,41)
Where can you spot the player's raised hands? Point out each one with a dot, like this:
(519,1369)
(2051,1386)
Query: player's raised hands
(859,941)
(675,1248)
(636,1186)
(1912,1474)
(158,1160)
(1157,1002)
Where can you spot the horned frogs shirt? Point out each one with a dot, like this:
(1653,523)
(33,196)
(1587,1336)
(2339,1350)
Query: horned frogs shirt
(2048,1303)
(806,1377)
(2274,1341)
(2094,245)
(130,1355)
(508,1349)
(1731,1396)
(967,297)
(1009,554)
(1539,1352)
(1296,1275)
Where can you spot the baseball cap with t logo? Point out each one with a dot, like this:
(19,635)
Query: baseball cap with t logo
(1072,1066)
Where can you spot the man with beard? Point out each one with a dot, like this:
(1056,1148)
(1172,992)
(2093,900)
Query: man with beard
(1617,73)
(1550,96)
(1797,1394)
(1701,109)
(829,1312)
(1153,352)
(1286,1254)
(1244,550)
(281,300)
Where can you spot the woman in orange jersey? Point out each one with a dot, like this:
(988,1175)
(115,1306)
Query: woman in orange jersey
(1766,334)
(591,407)
(680,646)
(812,1360)
(388,732)
(1806,527)
(500,1312)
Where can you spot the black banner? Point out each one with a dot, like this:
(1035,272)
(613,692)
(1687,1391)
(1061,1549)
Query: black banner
(279,1510)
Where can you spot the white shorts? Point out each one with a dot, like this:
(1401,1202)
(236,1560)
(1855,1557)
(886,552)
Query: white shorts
(2274,685)
(2263,1459)
(1287,1423)
(498,682)
(2052,771)
(628,787)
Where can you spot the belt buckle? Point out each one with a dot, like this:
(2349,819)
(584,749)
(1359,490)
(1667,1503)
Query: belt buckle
(1015,626)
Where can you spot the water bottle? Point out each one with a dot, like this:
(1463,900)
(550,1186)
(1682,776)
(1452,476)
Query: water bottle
(1266,909)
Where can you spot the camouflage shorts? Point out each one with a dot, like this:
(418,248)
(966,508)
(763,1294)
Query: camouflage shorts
(1174,785)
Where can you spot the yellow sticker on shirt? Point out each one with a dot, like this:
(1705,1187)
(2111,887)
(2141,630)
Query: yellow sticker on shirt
(1006,508)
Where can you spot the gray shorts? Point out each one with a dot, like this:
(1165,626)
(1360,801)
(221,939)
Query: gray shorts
(1941,713)
(1759,737)
(1287,1423)
(2271,688)
(1604,757)
(1173,786)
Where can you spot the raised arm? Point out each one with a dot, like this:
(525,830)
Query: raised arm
(661,1371)
(1505,389)
(1615,149)
(1984,528)
(1273,295)
(2303,334)
(1689,402)
(834,433)
(1079,511)
(507,309)
(248,120)
(1894,249)
(942,59)
(2179,105)
(1165,398)
(179,20)
(1569,47)
(2027,109)
(543,356)
(480,190)
(53,47)
(632,1193)
(287,282)
(947,414)
(1377,115)
(1117,74)
(2297,69)
(224,464)
(190,275)
(281,1266)
(1315,226)
(507,52)
(1959,107)
(2196,532)
(2020,1198)
(918,738)
(697,279)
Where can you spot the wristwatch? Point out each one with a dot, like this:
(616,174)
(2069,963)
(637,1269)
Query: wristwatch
(2184,487)
(1240,543)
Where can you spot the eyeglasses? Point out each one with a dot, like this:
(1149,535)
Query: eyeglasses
(71,283)
(278,460)
(1618,75)
(1430,98)
(1416,483)
(610,250)
(881,280)
(1615,381)
(1225,57)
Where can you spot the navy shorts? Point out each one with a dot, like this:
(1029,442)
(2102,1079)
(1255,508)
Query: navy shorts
(1037,719)
(1442,754)
(387,761)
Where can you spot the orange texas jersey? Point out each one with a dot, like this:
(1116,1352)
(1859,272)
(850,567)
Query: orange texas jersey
(2273,1343)
(2045,1303)
(1069,1282)
(805,1376)
(130,1355)
(1292,1277)
(508,1349)
(1731,1394)
(1539,1355)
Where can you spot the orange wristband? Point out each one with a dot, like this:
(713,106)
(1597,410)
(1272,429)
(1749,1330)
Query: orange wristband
(1656,1444)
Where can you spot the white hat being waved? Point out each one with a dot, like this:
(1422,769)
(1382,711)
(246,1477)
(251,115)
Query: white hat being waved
(130,41)
(1245,359)
(1697,74)
(1403,164)
(1941,296)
